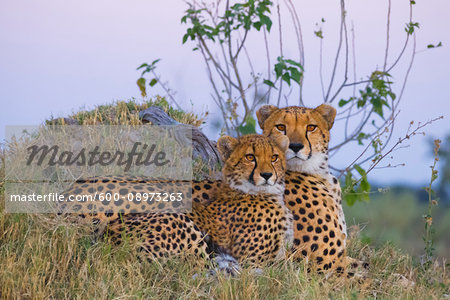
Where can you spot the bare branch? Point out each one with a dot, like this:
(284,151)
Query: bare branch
(281,51)
(268,64)
(242,45)
(166,89)
(219,69)
(401,140)
(321,69)
(298,33)
(387,35)
(406,41)
(236,74)
(222,48)
(218,100)
(336,60)
(354,58)
(346,58)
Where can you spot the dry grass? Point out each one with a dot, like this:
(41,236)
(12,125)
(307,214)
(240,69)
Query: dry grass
(127,113)
(43,257)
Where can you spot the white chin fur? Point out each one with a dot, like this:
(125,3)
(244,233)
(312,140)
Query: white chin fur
(310,166)
(249,188)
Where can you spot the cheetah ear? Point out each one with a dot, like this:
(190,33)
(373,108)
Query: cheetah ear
(263,113)
(281,140)
(328,113)
(225,145)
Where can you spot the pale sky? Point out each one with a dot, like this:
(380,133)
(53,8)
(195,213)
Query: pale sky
(59,56)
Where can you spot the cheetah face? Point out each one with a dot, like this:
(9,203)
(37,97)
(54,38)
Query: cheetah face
(253,163)
(308,131)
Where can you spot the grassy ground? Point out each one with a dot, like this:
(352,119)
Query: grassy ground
(43,257)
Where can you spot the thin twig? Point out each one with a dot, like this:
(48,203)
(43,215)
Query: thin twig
(387,35)
(266,44)
(166,89)
(321,68)
(242,44)
(346,59)
(336,60)
(298,33)
(281,51)
(219,98)
(406,41)
(222,48)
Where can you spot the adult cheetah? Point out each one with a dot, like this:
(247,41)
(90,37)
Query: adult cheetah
(312,193)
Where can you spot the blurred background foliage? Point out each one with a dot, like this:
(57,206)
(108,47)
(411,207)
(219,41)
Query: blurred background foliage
(396,216)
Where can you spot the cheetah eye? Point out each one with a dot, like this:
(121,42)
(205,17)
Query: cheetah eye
(274,158)
(250,157)
(281,127)
(311,128)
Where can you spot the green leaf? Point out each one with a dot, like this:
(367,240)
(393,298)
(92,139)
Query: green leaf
(155,61)
(286,77)
(360,103)
(185,38)
(295,75)
(350,197)
(377,106)
(269,83)
(141,84)
(365,185)
(294,63)
(435,46)
(319,34)
(266,21)
(249,127)
(360,170)
(153,82)
(343,102)
(361,136)
(348,180)
(410,27)
(141,66)
(279,69)
(364,189)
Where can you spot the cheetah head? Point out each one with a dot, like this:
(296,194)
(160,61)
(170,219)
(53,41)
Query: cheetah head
(253,163)
(308,131)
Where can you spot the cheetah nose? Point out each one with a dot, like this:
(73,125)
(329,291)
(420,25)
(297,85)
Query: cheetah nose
(266,175)
(296,147)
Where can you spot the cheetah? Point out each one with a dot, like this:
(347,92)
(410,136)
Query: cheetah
(312,193)
(246,220)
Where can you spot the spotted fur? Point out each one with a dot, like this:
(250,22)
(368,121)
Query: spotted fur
(246,220)
(312,193)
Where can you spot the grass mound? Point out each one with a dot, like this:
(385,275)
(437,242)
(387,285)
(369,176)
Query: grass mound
(127,113)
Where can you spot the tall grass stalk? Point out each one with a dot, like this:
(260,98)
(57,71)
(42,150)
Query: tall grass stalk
(432,201)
